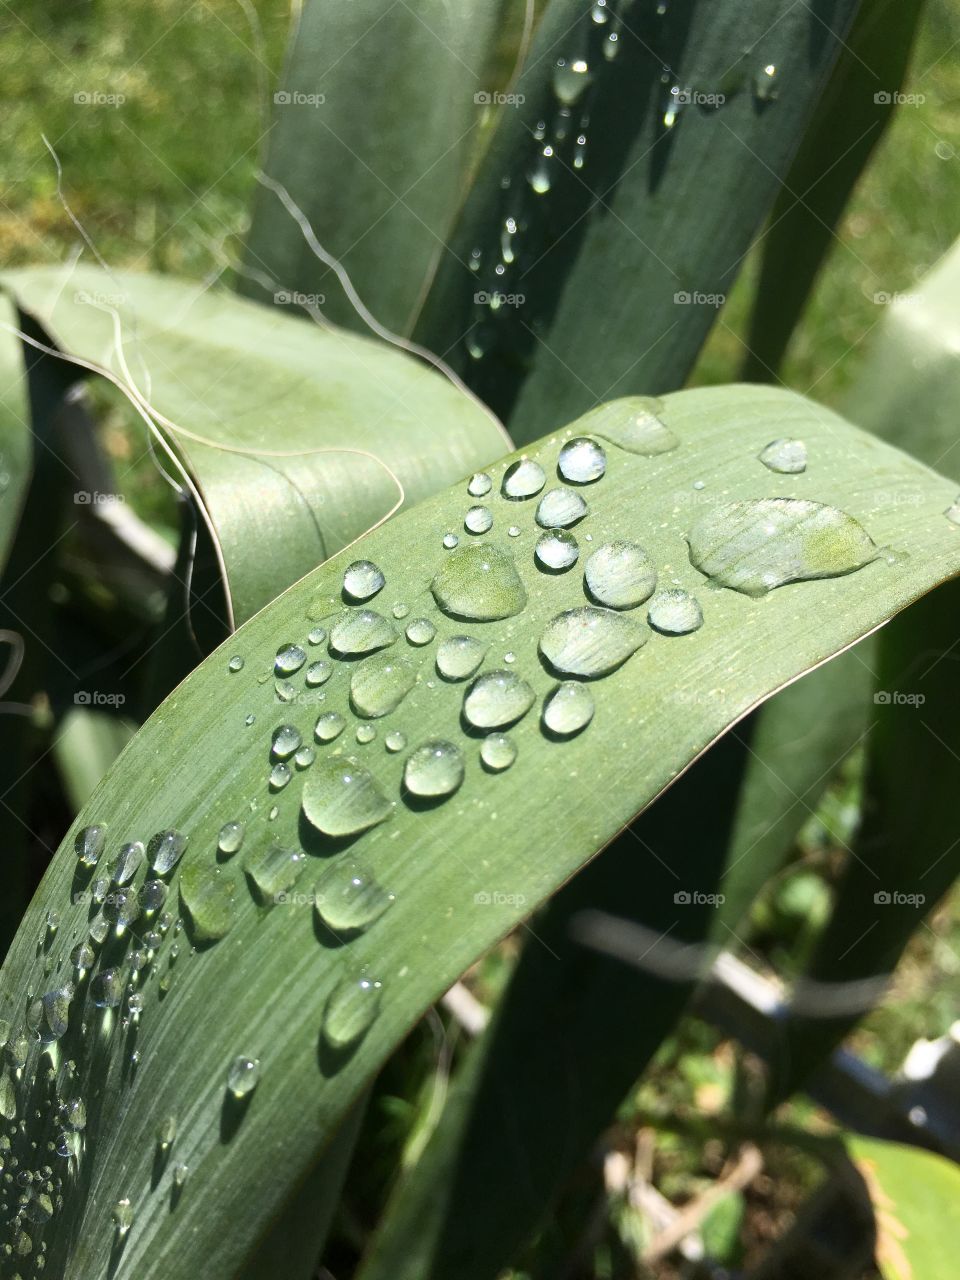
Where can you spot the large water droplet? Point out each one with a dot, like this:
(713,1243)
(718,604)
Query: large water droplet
(480,485)
(556,550)
(362,631)
(209,896)
(478,520)
(435,768)
(590,642)
(275,870)
(632,423)
(523,479)
(128,862)
(675,612)
(106,989)
(362,580)
(165,850)
(479,582)
(348,899)
(582,461)
(341,798)
(319,672)
(458,657)
(123,907)
(351,1010)
(620,575)
(788,457)
(8,1097)
(230,838)
(568,709)
(330,725)
(89,844)
(560,508)
(379,686)
(286,740)
(243,1076)
(289,660)
(759,544)
(56,1012)
(496,699)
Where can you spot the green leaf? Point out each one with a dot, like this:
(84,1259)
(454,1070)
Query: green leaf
(86,745)
(616,269)
(329,430)
(375,126)
(15,442)
(463,872)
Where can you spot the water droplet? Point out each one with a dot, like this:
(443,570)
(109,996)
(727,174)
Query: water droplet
(230,838)
(582,461)
(285,741)
(496,699)
(759,544)
(8,1097)
(675,612)
(99,928)
(513,531)
(181,1172)
(420,631)
(209,898)
(82,957)
(249,720)
(319,672)
(568,709)
(89,844)
(73,1114)
(123,1216)
(632,423)
(366,733)
(765,85)
(523,479)
(106,989)
(123,907)
(435,768)
(953,511)
(304,757)
(570,78)
(329,726)
(165,850)
(362,631)
(348,899)
(400,610)
(56,1011)
(379,686)
(789,457)
(351,1010)
(317,635)
(590,642)
(481,582)
(620,575)
(243,1076)
(539,175)
(395,741)
(289,660)
(362,580)
(498,751)
(459,657)
(600,13)
(556,550)
(166,1133)
(135,1003)
(274,871)
(450,540)
(479,485)
(280,775)
(153,895)
(478,520)
(128,863)
(611,46)
(235,663)
(560,508)
(341,798)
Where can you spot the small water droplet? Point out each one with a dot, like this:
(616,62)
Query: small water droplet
(620,575)
(582,461)
(498,751)
(420,631)
(209,897)
(329,726)
(362,580)
(165,850)
(556,550)
(395,741)
(757,545)
(153,895)
(319,672)
(450,540)
(600,13)
(590,642)
(181,1172)
(953,511)
(128,862)
(480,484)
(8,1097)
(342,798)
(280,775)
(235,663)
(459,657)
(478,520)
(89,844)
(166,1133)
(365,733)
(348,899)
(249,720)
(400,610)
(513,531)
(570,77)
(496,699)
(82,957)
(243,1076)
(123,907)
(434,769)
(123,1216)
(765,83)
(106,989)
(568,709)
(379,686)
(523,479)
(289,660)
(362,631)
(285,741)
(479,582)
(675,612)
(305,757)
(789,457)
(560,508)
(230,838)
(351,1010)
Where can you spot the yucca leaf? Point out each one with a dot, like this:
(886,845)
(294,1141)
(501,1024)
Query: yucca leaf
(463,872)
(324,426)
(15,450)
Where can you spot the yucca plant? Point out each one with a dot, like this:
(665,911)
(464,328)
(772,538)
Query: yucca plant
(404,698)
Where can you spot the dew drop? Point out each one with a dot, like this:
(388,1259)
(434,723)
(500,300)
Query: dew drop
(556,550)
(523,479)
(285,741)
(568,709)
(620,575)
(123,907)
(953,511)
(153,895)
(450,540)
(166,1133)
(285,691)
(631,423)
(498,751)
(496,699)
(362,631)
(274,870)
(478,520)
(420,631)
(280,775)
(459,657)
(106,989)
(570,78)
(348,899)
(89,844)
(319,672)
(208,895)
(181,1172)
(480,485)
(342,798)
(434,769)
(329,726)
(123,1216)
(582,461)
(305,757)
(8,1097)
(362,580)
(82,957)
(560,508)
(230,838)
(400,610)
(395,741)
(317,635)
(235,663)
(675,612)
(789,457)
(760,544)
(289,660)
(128,862)
(366,733)
(243,1076)
(379,686)
(590,642)
(350,1011)
(479,582)
(765,85)
(165,850)
(513,531)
